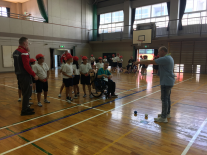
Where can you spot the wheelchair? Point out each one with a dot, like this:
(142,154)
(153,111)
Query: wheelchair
(99,88)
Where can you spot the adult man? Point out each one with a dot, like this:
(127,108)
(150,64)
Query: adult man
(63,56)
(24,72)
(167,80)
(106,76)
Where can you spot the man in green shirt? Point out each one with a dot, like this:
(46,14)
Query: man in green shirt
(105,75)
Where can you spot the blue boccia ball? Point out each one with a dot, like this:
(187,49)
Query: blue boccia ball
(135,112)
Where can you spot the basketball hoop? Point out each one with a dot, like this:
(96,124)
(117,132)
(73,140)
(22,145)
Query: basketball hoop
(139,42)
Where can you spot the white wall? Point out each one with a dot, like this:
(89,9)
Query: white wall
(10,5)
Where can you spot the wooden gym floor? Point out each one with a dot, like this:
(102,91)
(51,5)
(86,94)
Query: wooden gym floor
(107,127)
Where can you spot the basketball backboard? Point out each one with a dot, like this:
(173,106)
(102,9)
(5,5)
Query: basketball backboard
(144,35)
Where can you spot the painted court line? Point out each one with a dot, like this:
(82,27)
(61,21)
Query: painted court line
(57,110)
(194,137)
(83,121)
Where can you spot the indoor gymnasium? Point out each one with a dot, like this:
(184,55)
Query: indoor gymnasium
(103,77)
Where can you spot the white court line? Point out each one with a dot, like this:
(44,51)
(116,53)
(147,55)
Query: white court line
(82,121)
(58,110)
(194,137)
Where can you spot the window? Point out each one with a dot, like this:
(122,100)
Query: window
(195,12)
(153,13)
(3,11)
(111,22)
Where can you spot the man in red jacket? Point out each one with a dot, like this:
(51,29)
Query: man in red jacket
(24,74)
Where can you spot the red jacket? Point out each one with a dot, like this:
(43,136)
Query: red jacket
(21,62)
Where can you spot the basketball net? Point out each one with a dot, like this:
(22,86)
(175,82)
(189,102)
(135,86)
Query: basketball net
(139,42)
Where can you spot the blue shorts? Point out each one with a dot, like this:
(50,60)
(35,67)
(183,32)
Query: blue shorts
(76,80)
(68,82)
(41,86)
(85,80)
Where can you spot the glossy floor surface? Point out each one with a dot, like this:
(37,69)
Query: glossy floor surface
(107,126)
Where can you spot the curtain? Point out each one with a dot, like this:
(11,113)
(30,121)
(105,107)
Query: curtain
(71,52)
(168,10)
(155,52)
(98,24)
(181,13)
(132,20)
(52,58)
(8,12)
(42,9)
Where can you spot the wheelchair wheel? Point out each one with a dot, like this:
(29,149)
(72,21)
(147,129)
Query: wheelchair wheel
(95,91)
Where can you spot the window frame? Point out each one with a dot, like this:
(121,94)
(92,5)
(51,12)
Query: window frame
(102,30)
(154,17)
(2,13)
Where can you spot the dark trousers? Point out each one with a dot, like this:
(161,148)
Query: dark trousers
(166,102)
(111,87)
(129,67)
(25,82)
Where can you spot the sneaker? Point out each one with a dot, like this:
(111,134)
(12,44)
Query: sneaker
(30,98)
(69,101)
(91,96)
(160,119)
(72,92)
(39,104)
(27,113)
(19,100)
(84,96)
(30,103)
(59,95)
(168,116)
(75,97)
(46,101)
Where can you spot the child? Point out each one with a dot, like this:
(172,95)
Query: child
(68,76)
(76,79)
(120,63)
(42,71)
(100,63)
(85,70)
(32,62)
(144,67)
(105,59)
(92,60)
(114,65)
(63,85)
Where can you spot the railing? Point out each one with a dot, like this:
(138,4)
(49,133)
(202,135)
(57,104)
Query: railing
(195,25)
(20,16)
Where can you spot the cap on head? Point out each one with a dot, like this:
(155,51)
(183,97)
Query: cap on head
(117,53)
(104,56)
(84,58)
(91,55)
(75,58)
(32,60)
(39,56)
(121,56)
(113,55)
(68,56)
(100,58)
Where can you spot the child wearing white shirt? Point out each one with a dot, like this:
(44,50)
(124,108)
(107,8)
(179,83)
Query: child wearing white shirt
(92,60)
(68,76)
(120,63)
(63,85)
(99,64)
(76,79)
(85,70)
(114,65)
(105,59)
(42,71)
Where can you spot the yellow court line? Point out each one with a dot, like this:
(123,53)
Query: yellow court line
(124,135)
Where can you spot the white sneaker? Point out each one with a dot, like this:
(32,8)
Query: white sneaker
(30,103)
(160,119)
(30,98)
(46,101)
(69,101)
(19,100)
(84,96)
(72,92)
(91,96)
(59,95)
(168,116)
(39,104)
